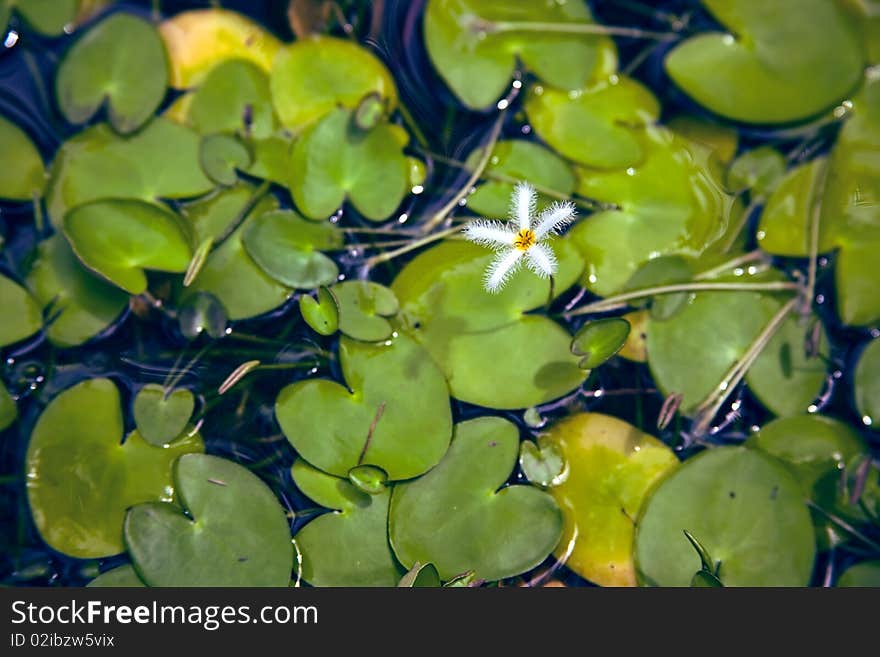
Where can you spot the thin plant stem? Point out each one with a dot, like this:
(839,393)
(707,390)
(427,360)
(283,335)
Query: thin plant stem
(410,246)
(743,220)
(815,220)
(412,125)
(708,409)
(39,219)
(845,526)
(613,302)
(379,231)
(488,147)
(169,387)
(493,27)
(258,194)
(746,258)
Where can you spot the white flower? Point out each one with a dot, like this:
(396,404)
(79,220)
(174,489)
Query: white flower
(521,238)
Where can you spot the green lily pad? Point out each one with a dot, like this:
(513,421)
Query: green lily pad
(198,41)
(231,531)
(160,415)
(24,175)
(720,138)
(758,170)
(867,383)
(332,162)
(121,577)
(21,314)
(866,573)
(348,547)
(598,340)
(229,273)
(288,248)
(597,126)
(670,204)
(232,90)
(79,303)
(222,157)
(81,477)
(519,159)
(314,76)
(8,409)
(322,314)
(368,479)
(610,468)
(47,17)
(200,313)
(456,518)
(120,62)
(364,310)
(780,64)
(119,239)
(98,164)
(478,63)
(420,576)
(479,339)
(394,414)
(745,508)
(542,462)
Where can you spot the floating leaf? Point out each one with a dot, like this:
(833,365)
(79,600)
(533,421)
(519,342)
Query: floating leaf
(98,164)
(481,339)
(542,463)
(161,415)
(222,157)
(597,126)
(332,162)
(477,61)
(120,577)
(518,159)
(610,467)
(199,40)
(866,573)
(314,76)
(21,314)
(670,204)
(120,62)
(720,138)
(636,348)
(368,479)
(394,414)
(8,409)
(24,175)
(231,532)
(599,340)
(81,477)
(364,310)
(420,576)
(778,65)
(746,509)
(288,248)
(120,239)
(758,170)
(496,533)
(358,526)
(202,313)
(48,17)
(322,314)
(867,383)
(80,304)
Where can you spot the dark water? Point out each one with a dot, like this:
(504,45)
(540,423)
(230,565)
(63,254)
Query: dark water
(145,345)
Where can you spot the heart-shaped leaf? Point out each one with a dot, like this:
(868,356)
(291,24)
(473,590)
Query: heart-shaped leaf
(867,383)
(542,463)
(357,527)
(394,414)
(121,577)
(420,576)
(314,76)
(79,304)
(222,157)
(48,17)
(745,508)
(670,204)
(120,61)
(456,518)
(597,126)
(364,310)
(98,164)
(610,467)
(233,531)
(866,573)
(288,248)
(161,415)
(82,477)
(516,160)
(720,138)
(199,40)
(24,175)
(779,64)
(202,313)
(480,339)
(758,170)
(332,162)
(599,340)
(21,314)
(120,239)
(322,314)
(477,59)
(8,409)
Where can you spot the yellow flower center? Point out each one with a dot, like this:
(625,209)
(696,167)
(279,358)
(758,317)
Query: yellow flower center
(524,240)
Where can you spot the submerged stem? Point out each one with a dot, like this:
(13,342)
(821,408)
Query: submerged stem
(411,246)
(815,220)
